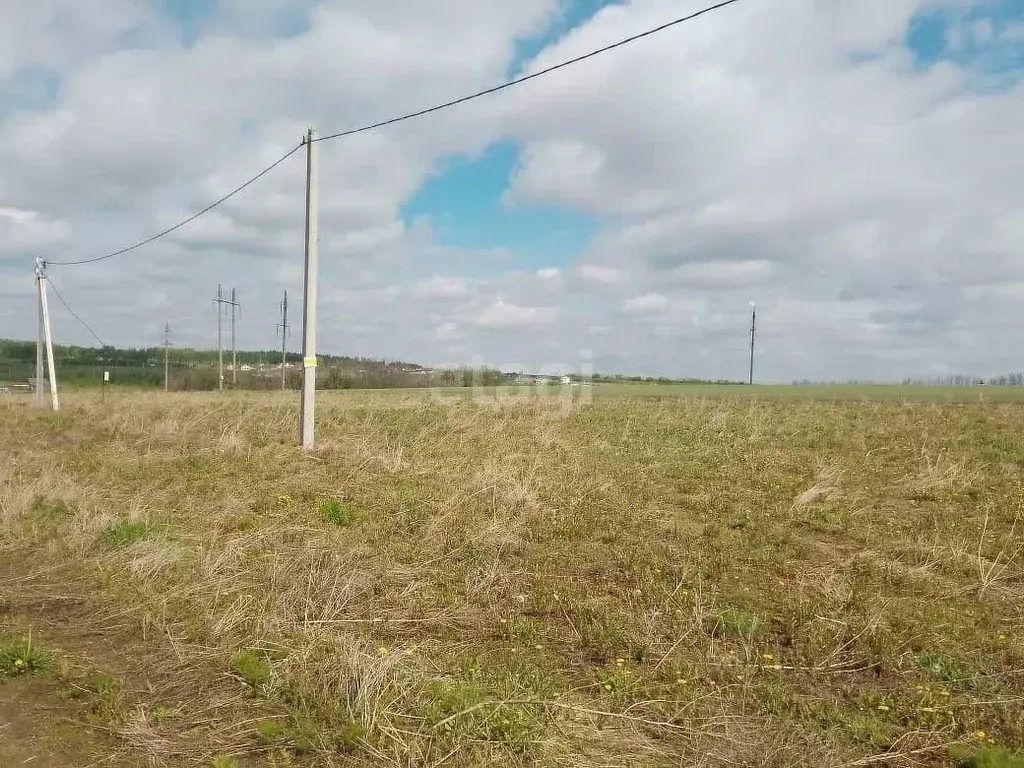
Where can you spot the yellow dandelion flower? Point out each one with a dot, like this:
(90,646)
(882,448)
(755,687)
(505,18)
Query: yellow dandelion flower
(883,707)
(767,656)
(607,686)
(19,663)
(382,651)
(620,662)
(681,681)
(979,734)
(538,647)
(503,620)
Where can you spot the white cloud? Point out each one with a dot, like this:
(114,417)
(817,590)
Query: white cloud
(442,288)
(721,273)
(791,153)
(449,332)
(648,304)
(596,274)
(503,315)
(21,228)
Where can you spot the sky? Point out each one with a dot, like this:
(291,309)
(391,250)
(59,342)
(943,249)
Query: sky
(854,167)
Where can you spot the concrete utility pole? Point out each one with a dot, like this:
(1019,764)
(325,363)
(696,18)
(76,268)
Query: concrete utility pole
(47,337)
(309,299)
(753,331)
(283,326)
(40,339)
(167,347)
(220,301)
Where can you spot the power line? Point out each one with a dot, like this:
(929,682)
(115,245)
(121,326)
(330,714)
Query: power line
(402,118)
(75,314)
(525,78)
(182,223)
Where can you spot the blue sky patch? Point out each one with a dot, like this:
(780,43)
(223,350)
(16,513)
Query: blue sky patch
(571,15)
(190,16)
(463,203)
(193,16)
(30,89)
(984,38)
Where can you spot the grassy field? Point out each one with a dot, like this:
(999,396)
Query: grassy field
(757,580)
(824,392)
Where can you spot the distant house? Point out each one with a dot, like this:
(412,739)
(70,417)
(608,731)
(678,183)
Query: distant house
(566,380)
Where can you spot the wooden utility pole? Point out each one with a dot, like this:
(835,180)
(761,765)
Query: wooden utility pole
(753,331)
(167,347)
(283,328)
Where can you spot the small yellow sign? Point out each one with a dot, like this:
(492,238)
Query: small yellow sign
(309,362)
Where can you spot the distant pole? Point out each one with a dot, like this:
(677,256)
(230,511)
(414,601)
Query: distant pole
(284,339)
(48,335)
(220,347)
(167,347)
(234,354)
(40,339)
(220,301)
(753,332)
(309,299)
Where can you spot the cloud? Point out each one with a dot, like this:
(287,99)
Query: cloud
(503,315)
(800,154)
(721,273)
(29,229)
(443,288)
(593,273)
(648,304)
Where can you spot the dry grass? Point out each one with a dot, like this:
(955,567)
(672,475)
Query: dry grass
(525,581)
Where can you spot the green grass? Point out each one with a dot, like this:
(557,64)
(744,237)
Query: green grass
(123,533)
(22,657)
(987,757)
(251,668)
(653,576)
(337,512)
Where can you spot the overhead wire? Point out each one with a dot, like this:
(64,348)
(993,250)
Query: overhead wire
(183,222)
(525,78)
(402,118)
(74,314)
